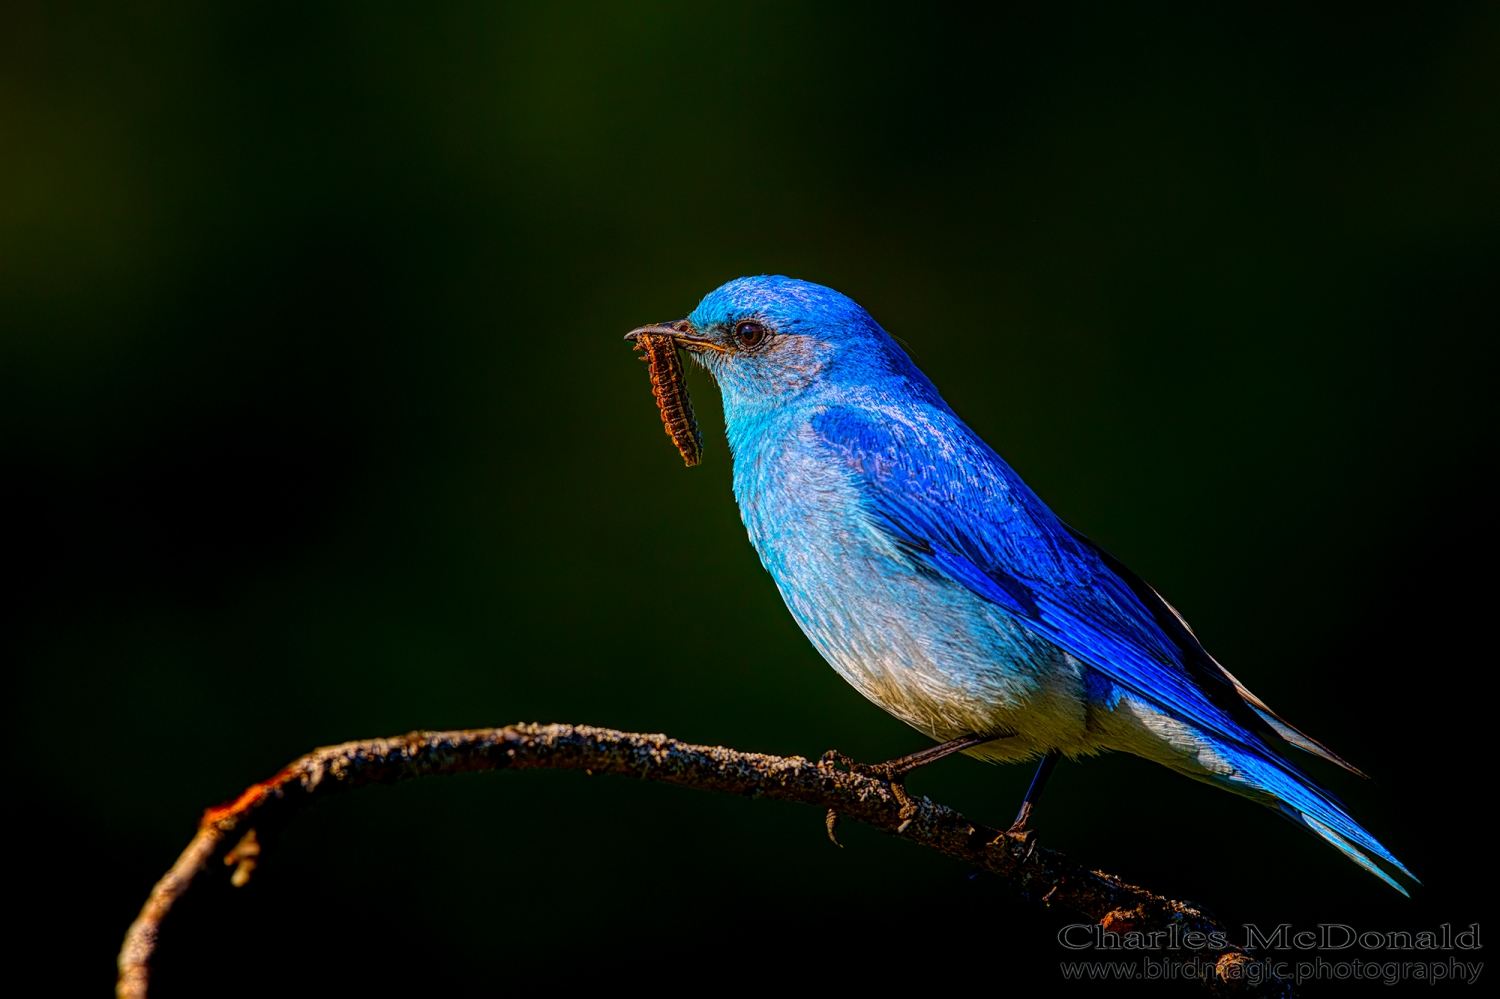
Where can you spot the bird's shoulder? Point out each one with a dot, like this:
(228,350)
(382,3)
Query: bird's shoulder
(926,475)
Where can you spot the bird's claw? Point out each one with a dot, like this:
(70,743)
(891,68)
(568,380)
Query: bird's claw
(1017,836)
(875,771)
(831,821)
(833,758)
(892,774)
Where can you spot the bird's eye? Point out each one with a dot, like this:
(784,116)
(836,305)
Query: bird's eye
(749,333)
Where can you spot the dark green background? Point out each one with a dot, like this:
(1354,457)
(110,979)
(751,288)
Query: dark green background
(316,424)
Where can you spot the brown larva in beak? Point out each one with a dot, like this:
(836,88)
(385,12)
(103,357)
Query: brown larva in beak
(669,385)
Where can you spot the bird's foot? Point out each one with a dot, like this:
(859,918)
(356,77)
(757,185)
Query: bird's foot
(1020,834)
(892,773)
(1018,837)
(1020,830)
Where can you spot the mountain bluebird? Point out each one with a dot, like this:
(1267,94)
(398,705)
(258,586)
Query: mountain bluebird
(933,580)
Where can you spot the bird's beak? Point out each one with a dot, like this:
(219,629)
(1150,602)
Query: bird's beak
(682,332)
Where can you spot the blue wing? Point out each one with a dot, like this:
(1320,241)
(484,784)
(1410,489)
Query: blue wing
(954,507)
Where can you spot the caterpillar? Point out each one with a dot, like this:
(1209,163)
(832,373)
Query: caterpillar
(669,386)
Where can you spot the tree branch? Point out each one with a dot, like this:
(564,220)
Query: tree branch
(1035,872)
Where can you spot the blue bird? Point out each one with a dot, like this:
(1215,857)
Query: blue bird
(938,584)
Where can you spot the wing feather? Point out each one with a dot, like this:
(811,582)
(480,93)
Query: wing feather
(966,514)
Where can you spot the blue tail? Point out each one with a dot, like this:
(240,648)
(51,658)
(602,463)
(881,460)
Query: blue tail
(1311,807)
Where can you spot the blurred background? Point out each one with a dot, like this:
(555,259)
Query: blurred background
(316,424)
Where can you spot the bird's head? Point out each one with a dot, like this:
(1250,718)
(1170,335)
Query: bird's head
(769,339)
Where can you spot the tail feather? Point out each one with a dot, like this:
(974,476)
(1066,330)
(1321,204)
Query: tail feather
(1314,809)
(1286,729)
(1345,847)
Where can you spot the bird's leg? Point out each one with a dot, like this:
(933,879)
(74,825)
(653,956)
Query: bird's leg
(894,771)
(1018,829)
